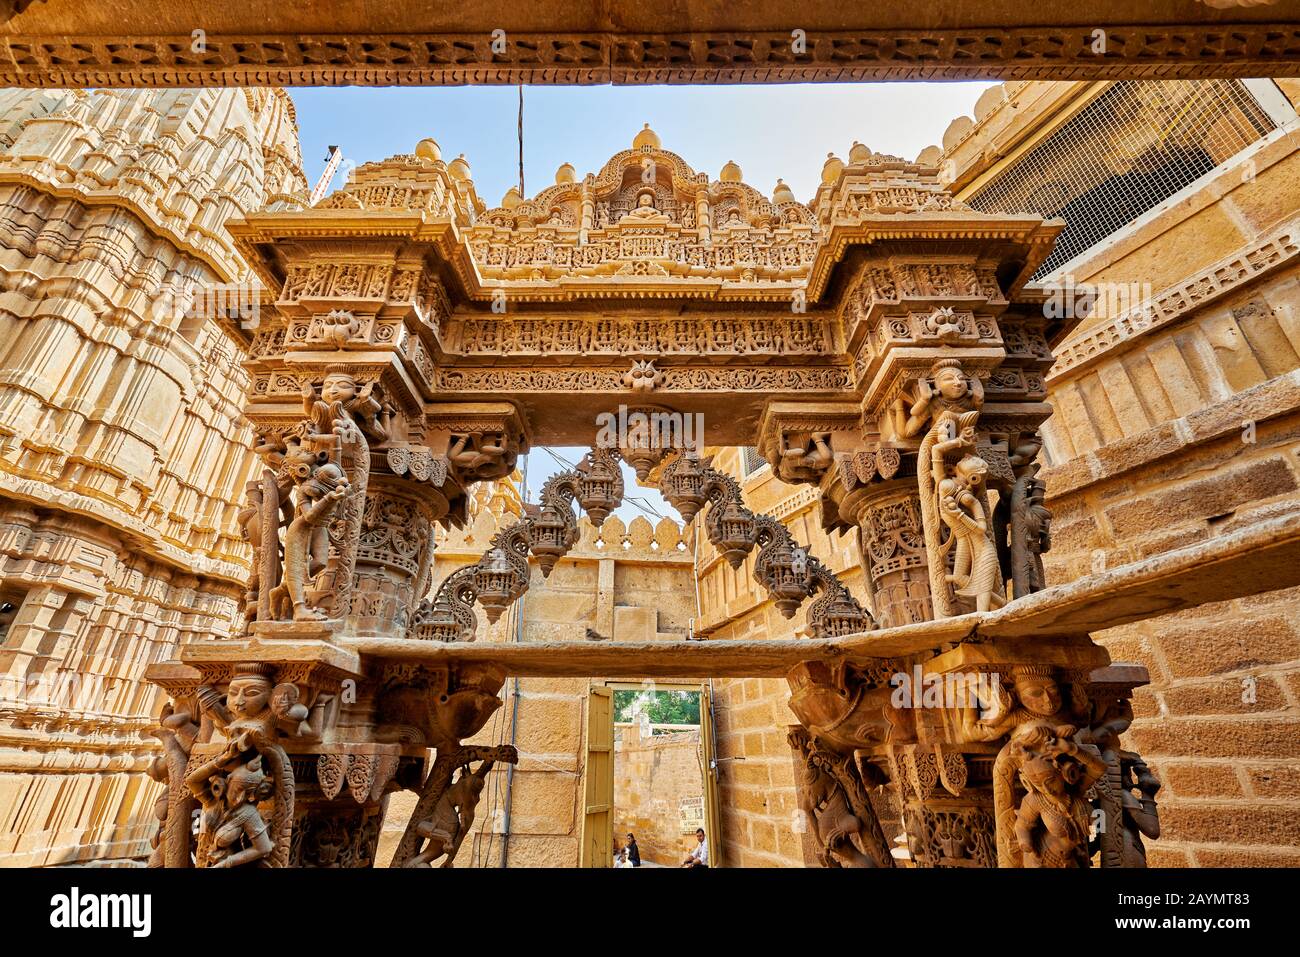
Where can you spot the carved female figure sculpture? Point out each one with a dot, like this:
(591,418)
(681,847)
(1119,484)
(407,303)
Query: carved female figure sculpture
(252,768)
(946,387)
(1034,694)
(953,496)
(975,564)
(1052,821)
(341,397)
(232,832)
(1047,826)
(305,544)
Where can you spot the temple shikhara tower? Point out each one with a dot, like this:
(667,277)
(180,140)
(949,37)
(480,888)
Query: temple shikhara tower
(122,450)
(259,487)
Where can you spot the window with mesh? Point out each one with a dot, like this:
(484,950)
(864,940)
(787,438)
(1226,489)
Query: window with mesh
(751,461)
(1124,154)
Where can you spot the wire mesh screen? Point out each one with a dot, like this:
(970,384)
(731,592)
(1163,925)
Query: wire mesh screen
(751,460)
(1123,154)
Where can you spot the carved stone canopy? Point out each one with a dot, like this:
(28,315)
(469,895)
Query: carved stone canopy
(557,299)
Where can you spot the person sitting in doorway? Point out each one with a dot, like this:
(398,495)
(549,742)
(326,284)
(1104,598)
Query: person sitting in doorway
(699,856)
(633,852)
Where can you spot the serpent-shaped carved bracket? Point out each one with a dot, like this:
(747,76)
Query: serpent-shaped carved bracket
(498,578)
(783,567)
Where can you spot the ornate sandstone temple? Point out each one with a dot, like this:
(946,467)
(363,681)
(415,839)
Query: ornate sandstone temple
(122,457)
(885,350)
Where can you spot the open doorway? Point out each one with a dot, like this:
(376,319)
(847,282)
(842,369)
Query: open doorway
(651,773)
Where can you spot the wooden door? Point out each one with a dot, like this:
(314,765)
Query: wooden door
(598,815)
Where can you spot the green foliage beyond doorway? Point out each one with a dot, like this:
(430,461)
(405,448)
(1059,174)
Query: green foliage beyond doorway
(662,707)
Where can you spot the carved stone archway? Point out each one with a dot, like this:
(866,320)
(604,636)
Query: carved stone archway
(882,343)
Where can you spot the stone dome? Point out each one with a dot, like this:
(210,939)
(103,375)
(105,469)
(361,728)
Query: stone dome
(647,137)
(859,153)
(459,168)
(930,156)
(428,149)
(831,169)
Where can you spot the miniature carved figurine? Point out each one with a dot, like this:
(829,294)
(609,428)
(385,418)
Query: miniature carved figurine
(642,377)
(306,544)
(844,839)
(942,324)
(946,387)
(452,818)
(482,456)
(338,326)
(806,456)
(644,211)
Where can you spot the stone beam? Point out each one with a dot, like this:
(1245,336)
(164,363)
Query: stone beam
(669,659)
(1263,557)
(164,43)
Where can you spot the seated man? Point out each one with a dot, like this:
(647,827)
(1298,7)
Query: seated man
(699,856)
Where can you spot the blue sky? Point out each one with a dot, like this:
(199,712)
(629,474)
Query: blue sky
(782,130)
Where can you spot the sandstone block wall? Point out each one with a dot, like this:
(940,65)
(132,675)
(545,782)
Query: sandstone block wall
(652,775)
(1181,427)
